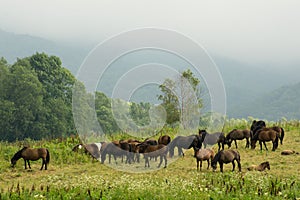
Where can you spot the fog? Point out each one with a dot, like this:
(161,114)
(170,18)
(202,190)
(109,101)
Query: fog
(255,32)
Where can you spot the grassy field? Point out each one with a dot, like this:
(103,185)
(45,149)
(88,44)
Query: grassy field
(76,176)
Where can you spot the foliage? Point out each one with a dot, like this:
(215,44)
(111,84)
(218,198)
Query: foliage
(181,99)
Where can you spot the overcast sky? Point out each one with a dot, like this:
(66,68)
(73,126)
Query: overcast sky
(250,31)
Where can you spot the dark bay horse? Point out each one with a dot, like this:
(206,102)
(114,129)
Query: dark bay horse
(226,156)
(237,134)
(185,142)
(261,167)
(164,139)
(159,150)
(264,135)
(204,154)
(32,154)
(209,138)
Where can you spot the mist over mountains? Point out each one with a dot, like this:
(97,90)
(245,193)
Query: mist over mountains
(252,90)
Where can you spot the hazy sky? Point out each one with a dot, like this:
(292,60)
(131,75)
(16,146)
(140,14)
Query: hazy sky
(251,31)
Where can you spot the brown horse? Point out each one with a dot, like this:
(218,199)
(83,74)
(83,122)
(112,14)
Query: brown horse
(164,139)
(237,134)
(148,150)
(261,167)
(31,154)
(264,135)
(226,156)
(204,154)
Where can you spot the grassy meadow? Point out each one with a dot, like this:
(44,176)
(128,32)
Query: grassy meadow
(73,175)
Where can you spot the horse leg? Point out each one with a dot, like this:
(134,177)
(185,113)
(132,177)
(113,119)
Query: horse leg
(235,144)
(265,145)
(260,143)
(43,163)
(221,166)
(247,143)
(25,163)
(28,164)
(166,161)
(208,163)
(161,159)
(239,165)
(233,165)
(198,164)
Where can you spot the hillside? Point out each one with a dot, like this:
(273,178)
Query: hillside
(274,105)
(248,88)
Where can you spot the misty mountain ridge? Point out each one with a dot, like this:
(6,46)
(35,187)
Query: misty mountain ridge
(251,90)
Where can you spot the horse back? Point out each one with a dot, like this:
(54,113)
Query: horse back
(34,154)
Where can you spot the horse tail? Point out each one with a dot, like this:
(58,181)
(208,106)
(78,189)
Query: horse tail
(47,156)
(281,135)
(276,141)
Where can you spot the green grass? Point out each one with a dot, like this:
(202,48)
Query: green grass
(76,176)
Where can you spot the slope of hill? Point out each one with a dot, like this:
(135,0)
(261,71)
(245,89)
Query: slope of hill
(244,83)
(274,105)
(15,46)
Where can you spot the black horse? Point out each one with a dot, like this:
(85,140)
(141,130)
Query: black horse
(32,154)
(256,125)
(185,142)
(228,156)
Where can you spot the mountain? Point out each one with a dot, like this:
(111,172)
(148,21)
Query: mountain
(13,46)
(274,105)
(250,89)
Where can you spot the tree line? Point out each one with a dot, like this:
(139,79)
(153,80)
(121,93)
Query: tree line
(36,101)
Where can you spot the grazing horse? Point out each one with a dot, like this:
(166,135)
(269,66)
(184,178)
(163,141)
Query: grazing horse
(93,149)
(264,135)
(185,142)
(209,139)
(148,150)
(204,154)
(32,154)
(226,156)
(237,134)
(116,149)
(164,139)
(261,167)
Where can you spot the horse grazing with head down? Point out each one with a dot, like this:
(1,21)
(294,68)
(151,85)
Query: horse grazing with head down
(209,138)
(148,150)
(261,167)
(226,156)
(204,154)
(32,154)
(237,134)
(164,139)
(185,142)
(264,135)
(93,149)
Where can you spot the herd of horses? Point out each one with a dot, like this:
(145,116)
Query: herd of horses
(131,149)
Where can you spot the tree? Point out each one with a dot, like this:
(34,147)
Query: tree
(181,99)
